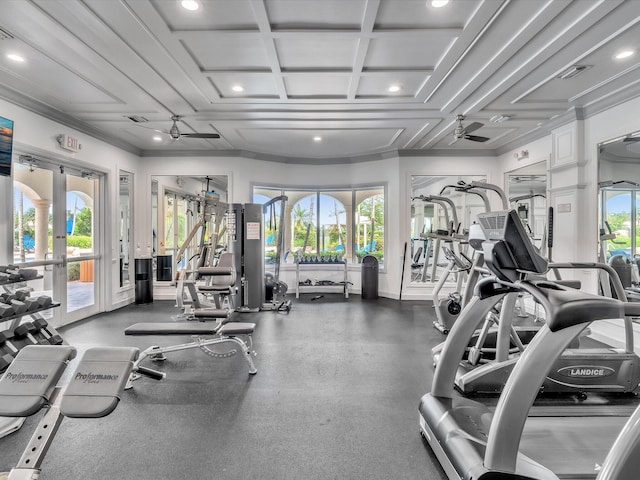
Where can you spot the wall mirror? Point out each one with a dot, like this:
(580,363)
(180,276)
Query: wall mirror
(619,185)
(177,210)
(527,192)
(438,208)
(125,186)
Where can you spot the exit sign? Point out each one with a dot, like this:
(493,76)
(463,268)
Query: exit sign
(69,143)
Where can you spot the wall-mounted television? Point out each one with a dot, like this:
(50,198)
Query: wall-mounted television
(6,145)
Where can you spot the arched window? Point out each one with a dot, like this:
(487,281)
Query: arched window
(343,222)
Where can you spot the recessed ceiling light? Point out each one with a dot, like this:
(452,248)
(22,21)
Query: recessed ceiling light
(237,88)
(190,5)
(15,57)
(395,88)
(317,139)
(157,138)
(624,54)
(439,3)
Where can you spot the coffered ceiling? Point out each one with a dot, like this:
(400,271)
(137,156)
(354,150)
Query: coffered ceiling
(318,68)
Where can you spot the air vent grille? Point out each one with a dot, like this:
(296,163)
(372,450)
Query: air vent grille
(493,223)
(137,118)
(4,35)
(573,71)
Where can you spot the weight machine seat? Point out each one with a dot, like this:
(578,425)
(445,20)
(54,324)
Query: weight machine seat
(31,378)
(189,328)
(223,276)
(99,379)
(567,307)
(215,271)
(214,288)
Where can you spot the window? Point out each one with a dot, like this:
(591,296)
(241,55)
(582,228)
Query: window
(620,218)
(340,222)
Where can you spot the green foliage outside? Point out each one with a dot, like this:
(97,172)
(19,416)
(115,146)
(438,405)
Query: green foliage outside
(79,241)
(619,222)
(331,237)
(73,271)
(372,207)
(82,222)
(168,228)
(80,237)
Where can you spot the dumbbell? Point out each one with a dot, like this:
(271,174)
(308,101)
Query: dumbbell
(32,304)
(6,310)
(6,297)
(21,294)
(44,301)
(5,361)
(19,307)
(28,273)
(9,269)
(6,344)
(10,277)
(25,332)
(42,335)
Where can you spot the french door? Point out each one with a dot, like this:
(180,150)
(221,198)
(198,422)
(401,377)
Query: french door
(57,223)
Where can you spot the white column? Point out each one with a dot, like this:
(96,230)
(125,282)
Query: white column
(42,227)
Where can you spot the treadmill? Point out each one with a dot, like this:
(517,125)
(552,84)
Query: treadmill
(471,441)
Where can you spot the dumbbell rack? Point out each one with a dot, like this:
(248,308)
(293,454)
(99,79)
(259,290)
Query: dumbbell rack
(37,331)
(344,286)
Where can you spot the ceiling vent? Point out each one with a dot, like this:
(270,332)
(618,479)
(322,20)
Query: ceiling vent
(500,118)
(573,71)
(4,35)
(137,118)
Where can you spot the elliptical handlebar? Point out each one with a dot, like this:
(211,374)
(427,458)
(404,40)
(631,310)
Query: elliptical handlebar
(494,188)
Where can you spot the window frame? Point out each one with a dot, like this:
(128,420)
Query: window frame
(329,189)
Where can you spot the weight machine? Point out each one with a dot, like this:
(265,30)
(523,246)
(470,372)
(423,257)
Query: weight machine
(245,225)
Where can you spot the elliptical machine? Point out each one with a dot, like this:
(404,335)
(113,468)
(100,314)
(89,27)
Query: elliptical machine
(447,309)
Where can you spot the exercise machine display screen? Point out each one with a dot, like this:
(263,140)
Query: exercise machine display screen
(508,249)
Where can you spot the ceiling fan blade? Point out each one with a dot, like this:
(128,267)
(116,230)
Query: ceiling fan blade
(475,138)
(200,135)
(472,127)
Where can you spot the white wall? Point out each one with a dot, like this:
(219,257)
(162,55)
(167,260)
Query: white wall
(394,172)
(244,173)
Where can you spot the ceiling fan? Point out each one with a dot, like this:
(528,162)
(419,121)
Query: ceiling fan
(462,132)
(175,133)
(528,178)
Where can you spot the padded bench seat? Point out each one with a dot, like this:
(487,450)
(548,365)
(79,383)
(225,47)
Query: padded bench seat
(29,381)
(210,313)
(100,377)
(189,328)
(214,288)
(237,328)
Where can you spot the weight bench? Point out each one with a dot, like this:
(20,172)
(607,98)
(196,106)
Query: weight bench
(30,384)
(220,332)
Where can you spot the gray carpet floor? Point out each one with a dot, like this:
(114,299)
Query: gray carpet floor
(335,397)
